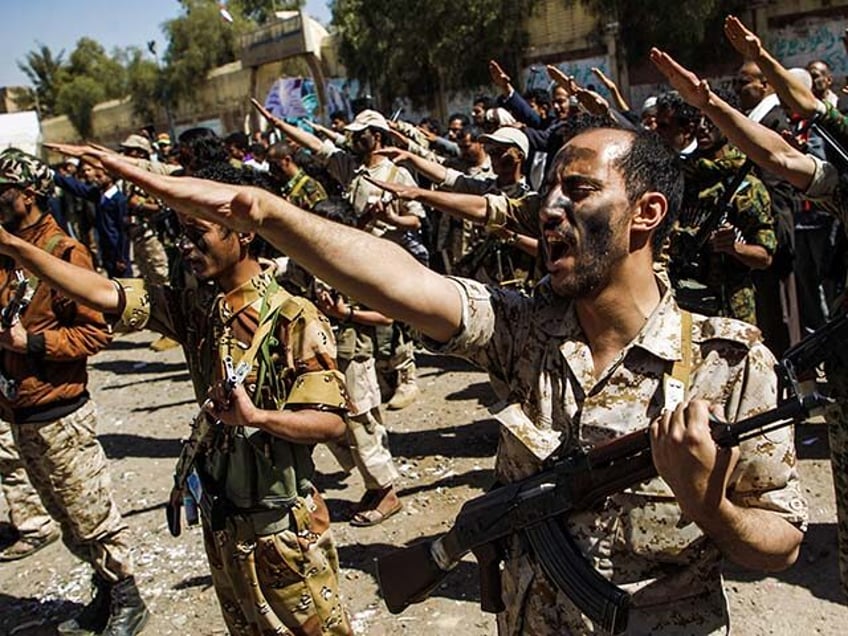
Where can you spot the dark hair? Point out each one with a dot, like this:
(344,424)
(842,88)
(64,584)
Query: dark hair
(338,114)
(475,132)
(538,95)
(683,113)
(728,95)
(238,139)
(434,124)
(258,151)
(461,117)
(281,149)
(487,101)
(203,147)
(336,209)
(650,165)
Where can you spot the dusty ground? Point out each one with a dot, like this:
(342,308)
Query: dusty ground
(443,446)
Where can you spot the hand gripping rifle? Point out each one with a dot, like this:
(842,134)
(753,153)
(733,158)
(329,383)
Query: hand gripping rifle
(578,481)
(9,316)
(202,432)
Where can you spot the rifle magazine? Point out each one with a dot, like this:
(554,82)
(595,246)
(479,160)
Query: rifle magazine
(606,604)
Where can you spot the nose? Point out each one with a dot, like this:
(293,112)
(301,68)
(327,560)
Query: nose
(554,207)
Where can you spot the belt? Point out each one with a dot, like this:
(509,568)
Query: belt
(260,522)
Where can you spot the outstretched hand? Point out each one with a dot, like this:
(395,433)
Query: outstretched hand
(409,193)
(562,80)
(264,111)
(691,87)
(603,79)
(499,76)
(742,38)
(394,153)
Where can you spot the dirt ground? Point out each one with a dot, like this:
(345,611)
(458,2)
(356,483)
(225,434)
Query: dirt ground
(443,446)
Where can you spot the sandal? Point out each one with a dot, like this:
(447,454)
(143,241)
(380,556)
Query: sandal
(375,516)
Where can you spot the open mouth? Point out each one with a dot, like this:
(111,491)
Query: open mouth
(557,246)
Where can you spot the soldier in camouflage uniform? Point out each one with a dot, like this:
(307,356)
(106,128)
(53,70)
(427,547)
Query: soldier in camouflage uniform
(295,185)
(585,359)
(822,181)
(717,273)
(43,396)
(265,527)
(31,526)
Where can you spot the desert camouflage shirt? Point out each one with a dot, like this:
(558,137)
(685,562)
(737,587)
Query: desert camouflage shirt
(304,191)
(638,539)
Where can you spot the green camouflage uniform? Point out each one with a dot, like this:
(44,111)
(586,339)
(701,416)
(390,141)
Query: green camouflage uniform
(726,279)
(829,188)
(639,538)
(304,191)
(274,564)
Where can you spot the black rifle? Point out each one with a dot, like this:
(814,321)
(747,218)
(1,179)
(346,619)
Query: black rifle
(577,481)
(202,432)
(686,267)
(11,313)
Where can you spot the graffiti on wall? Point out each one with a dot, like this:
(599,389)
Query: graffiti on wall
(535,76)
(811,39)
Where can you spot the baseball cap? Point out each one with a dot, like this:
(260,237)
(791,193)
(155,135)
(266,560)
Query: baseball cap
(20,169)
(368,119)
(509,136)
(163,139)
(137,142)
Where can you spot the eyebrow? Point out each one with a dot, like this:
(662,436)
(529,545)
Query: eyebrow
(581,179)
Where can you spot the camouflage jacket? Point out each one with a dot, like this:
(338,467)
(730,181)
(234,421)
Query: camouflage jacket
(304,191)
(211,325)
(639,538)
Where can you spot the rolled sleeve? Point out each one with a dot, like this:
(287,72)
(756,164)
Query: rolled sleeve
(136,305)
(478,321)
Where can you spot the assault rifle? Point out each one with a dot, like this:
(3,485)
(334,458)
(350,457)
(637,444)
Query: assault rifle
(202,432)
(11,313)
(577,481)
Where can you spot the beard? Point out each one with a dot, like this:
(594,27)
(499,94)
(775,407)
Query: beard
(598,255)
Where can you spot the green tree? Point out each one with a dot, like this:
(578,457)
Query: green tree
(44,70)
(692,31)
(262,11)
(145,84)
(77,98)
(89,59)
(402,47)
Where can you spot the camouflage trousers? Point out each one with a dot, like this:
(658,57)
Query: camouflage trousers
(837,429)
(278,584)
(26,512)
(68,469)
(366,442)
(150,257)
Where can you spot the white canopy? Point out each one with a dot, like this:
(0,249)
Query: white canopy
(21,130)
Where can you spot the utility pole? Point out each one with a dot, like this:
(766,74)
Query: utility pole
(166,92)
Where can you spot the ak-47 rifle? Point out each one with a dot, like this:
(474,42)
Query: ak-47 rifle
(202,432)
(574,482)
(9,315)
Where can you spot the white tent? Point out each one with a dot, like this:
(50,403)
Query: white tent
(21,130)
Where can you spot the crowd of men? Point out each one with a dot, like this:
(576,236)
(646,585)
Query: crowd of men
(606,266)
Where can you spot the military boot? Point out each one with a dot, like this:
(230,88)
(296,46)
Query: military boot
(128,612)
(94,616)
(407,389)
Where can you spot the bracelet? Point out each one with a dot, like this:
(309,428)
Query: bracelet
(349,317)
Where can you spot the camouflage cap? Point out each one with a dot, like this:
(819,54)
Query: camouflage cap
(21,169)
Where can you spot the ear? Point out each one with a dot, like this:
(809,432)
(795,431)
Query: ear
(649,212)
(246,238)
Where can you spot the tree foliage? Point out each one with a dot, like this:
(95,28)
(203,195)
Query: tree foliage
(406,48)
(77,98)
(43,68)
(691,30)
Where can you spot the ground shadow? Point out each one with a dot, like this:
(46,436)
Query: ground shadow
(435,364)
(176,377)
(33,616)
(124,367)
(481,479)
(120,445)
(816,569)
(460,584)
(159,407)
(477,439)
(204,581)
(127,345)
(480,391)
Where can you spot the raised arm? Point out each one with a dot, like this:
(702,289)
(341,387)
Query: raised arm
(305,139)
(620,103)
(430,170)
(348,259)
(80,284)
(789,88)
(469,207)
(765,147)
